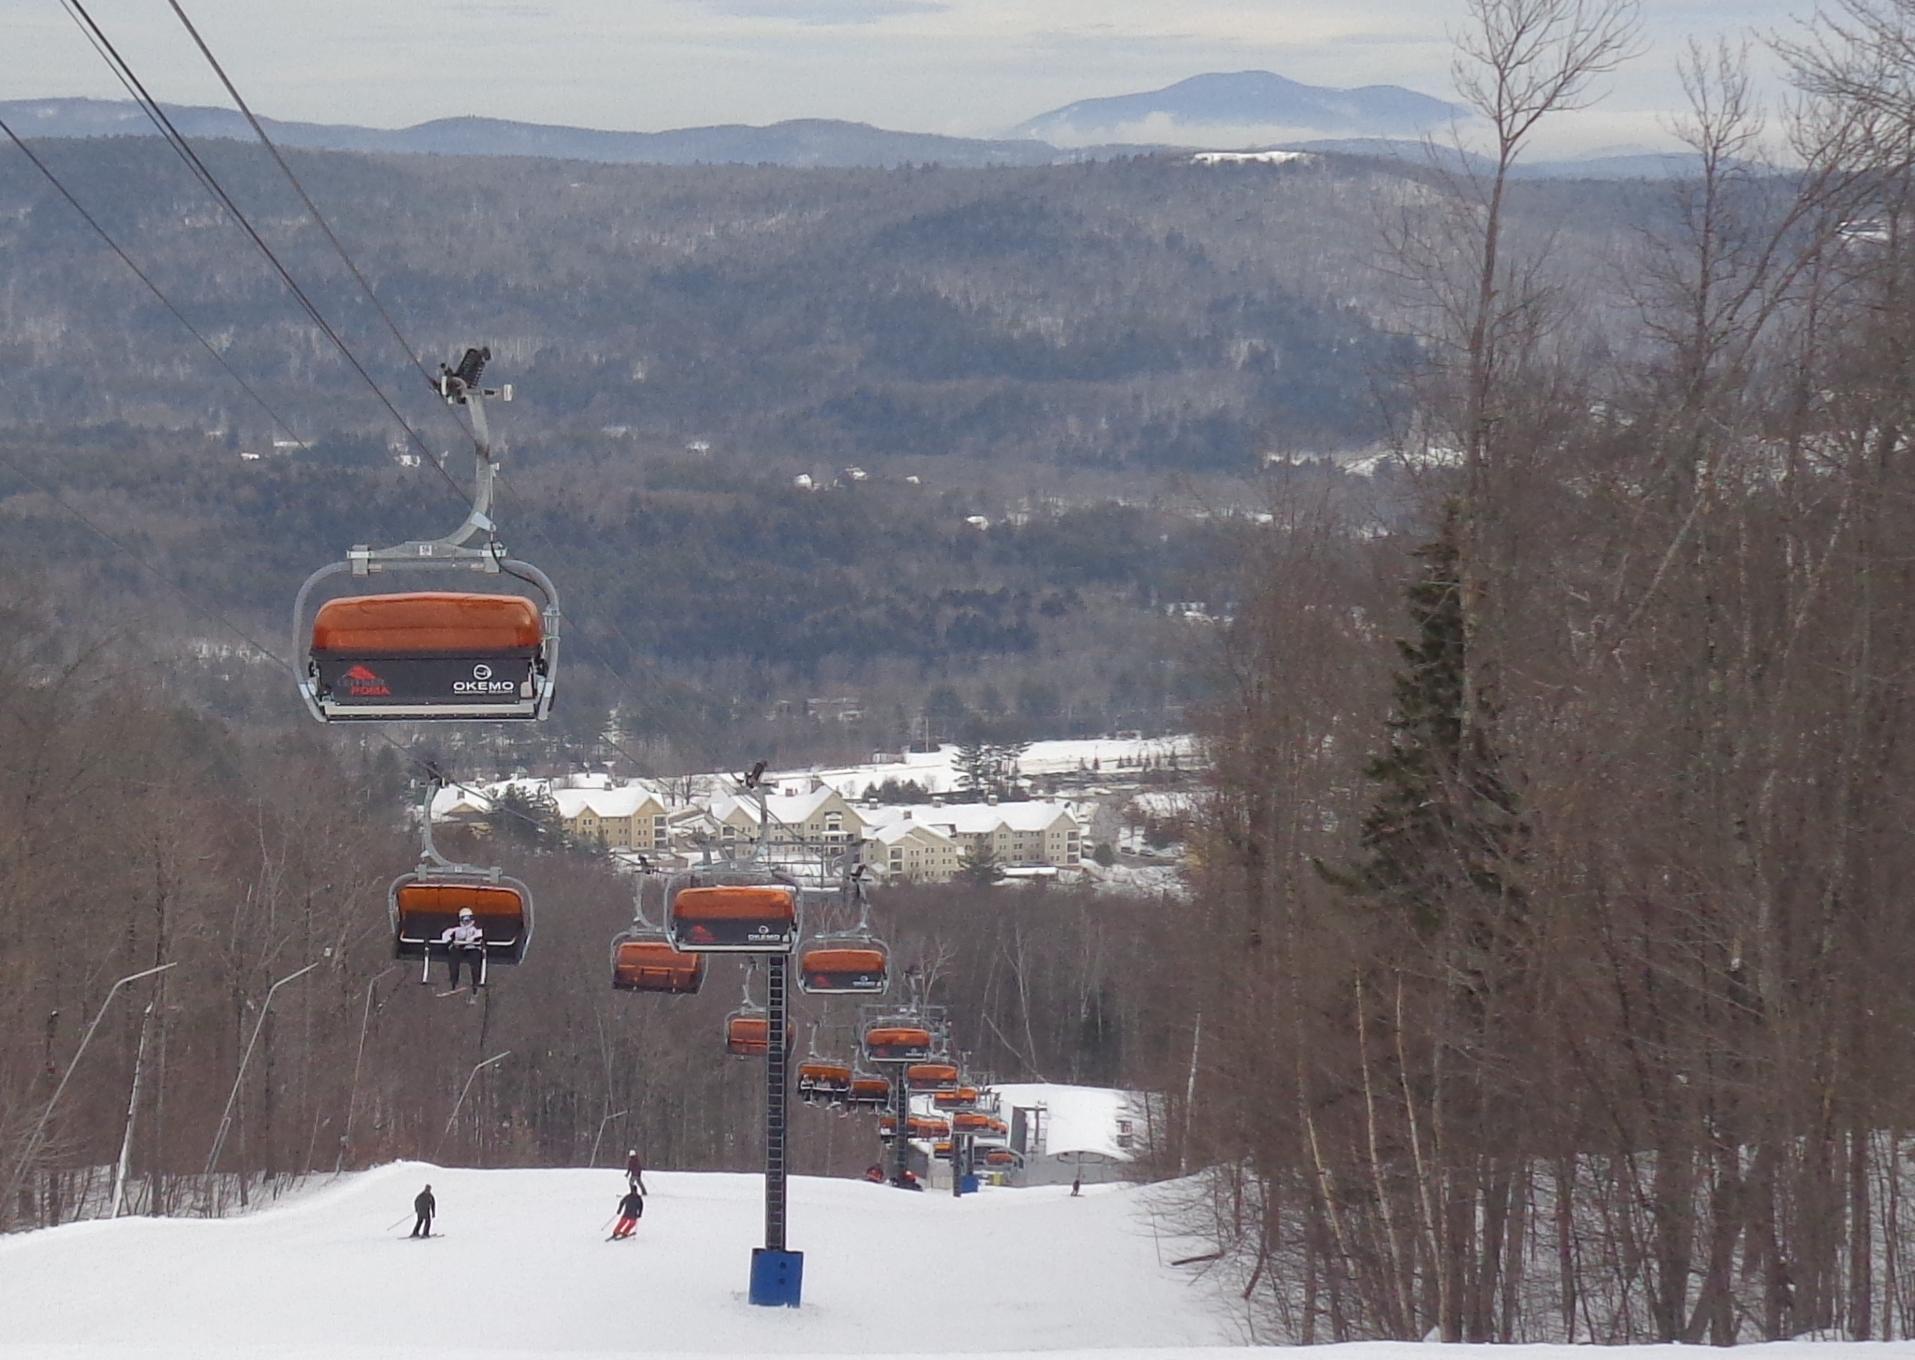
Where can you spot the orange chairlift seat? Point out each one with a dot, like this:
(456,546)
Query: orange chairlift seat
(848,961)
(822,1081)
(963,1098)
(707,914)
(424,905)
(434,655)
(652,965)
(1000,1157)
(871,1093)
(835,969)
(969,1121)
(917,1126)
(897,1043)
(930,1076)
(942,1151)
(749,1036)
(428,655)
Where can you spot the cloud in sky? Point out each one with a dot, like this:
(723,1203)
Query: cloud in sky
(969,67)
(825,13)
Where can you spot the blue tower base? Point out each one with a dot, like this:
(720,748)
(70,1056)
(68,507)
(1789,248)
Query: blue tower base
(968,1186)
(777,1277)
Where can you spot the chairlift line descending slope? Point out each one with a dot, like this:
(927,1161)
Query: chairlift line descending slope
(426,656)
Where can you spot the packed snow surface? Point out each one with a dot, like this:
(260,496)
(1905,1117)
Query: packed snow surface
(523,1270)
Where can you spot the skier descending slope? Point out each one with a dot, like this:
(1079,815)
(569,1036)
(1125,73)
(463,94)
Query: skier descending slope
(630,1209)
(425,1206)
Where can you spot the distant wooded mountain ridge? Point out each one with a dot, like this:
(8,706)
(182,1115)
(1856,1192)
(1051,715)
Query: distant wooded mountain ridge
(1207,109)
(803,142)
(1382,120)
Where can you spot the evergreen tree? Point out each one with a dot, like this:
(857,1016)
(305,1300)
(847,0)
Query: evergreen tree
(979,866)
(974,767)
(528,819)
(1004,772)
(1445,831)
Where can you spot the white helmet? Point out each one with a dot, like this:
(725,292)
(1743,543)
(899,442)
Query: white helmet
(465,913)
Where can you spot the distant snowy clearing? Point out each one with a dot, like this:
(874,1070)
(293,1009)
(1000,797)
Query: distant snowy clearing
(1250,157)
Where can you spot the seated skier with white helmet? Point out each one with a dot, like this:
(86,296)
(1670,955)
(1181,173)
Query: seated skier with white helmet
(465,941)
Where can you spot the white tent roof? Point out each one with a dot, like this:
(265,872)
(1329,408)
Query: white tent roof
(1080,1119)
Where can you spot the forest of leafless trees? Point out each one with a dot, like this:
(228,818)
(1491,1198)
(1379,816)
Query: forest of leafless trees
(136,832)
(1554,979)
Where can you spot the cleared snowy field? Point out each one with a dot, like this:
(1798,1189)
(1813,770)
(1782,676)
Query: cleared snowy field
(523,1271)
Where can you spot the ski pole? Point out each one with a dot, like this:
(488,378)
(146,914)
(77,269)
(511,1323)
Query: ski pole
(401,1219)
(607,1223)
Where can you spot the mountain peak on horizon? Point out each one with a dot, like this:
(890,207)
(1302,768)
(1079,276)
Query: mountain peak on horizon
(1237,107)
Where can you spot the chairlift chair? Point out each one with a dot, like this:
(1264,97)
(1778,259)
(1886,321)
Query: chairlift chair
(1000,1157)
(748,1029)
(931,1076)
(648,965)
(897,1042)
(424,904)
(426,656)
(961,1098)
(916,1126)
(643,959)
(868,1093)
(823,1082)
(735,909)
(847,962)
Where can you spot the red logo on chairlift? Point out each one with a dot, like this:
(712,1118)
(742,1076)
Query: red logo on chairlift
(699,935)
(364,683)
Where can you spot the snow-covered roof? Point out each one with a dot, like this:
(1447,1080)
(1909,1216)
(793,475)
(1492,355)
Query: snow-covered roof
(603,802)
(893,832)
(972,819)
(455,798)
(599,796)
(793,809)
(1166,804)
(937,772)
(1081,1119)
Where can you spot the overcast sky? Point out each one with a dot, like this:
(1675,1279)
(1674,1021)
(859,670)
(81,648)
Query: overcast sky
(967,67)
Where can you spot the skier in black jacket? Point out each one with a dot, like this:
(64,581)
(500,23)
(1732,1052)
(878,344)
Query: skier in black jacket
(630,1209)
(424,1205)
